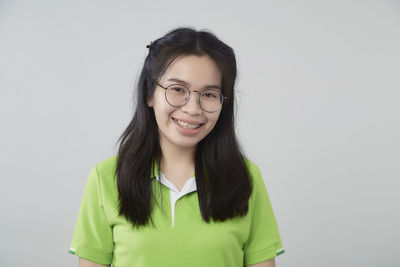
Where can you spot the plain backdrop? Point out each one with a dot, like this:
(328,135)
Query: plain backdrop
(318,111)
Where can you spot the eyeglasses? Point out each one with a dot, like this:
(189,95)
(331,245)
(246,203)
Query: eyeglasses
(177,95)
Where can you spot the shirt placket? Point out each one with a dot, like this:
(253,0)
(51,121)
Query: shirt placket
(175,195)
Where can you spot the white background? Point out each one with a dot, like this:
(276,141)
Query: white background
(318,94)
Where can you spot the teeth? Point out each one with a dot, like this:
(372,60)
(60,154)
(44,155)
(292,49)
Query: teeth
(187,125)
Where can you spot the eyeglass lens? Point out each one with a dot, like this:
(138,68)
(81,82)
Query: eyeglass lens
(178,95)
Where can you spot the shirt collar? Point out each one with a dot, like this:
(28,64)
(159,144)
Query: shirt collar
(189,186)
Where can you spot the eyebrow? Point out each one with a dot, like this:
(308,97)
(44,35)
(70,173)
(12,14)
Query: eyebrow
(212,86)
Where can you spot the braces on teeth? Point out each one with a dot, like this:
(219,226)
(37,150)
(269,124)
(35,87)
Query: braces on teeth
(186,125)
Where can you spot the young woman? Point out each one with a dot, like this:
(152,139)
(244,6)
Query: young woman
(180,192)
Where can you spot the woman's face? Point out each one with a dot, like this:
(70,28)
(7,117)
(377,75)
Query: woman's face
(196,72)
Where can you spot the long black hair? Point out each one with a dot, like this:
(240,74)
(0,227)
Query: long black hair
(222,176)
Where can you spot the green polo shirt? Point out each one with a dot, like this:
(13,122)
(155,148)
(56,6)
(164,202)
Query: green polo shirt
(101,236)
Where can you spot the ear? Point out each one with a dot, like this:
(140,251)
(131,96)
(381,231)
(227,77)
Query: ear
(150,102)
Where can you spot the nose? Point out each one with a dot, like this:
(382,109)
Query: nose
(192,107)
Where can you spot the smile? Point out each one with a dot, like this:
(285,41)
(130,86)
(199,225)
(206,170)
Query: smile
(187,125)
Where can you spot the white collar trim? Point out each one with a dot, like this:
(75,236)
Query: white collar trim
(190,186)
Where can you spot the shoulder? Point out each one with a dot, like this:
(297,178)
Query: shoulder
(107,166)
(102,188)
(104,171)
(257,180)
(253,169)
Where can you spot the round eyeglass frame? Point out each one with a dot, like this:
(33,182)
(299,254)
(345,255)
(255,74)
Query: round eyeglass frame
(187,99)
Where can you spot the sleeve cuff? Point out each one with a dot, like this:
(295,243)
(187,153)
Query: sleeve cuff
(91,255)
(263,254)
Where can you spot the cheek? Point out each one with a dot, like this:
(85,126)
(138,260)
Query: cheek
(214,119)
(163,112)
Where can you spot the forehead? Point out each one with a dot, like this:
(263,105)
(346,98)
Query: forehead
(194,70)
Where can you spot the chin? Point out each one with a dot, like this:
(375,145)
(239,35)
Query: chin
(187,145)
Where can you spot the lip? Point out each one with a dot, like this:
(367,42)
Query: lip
(187,132)
(189,121)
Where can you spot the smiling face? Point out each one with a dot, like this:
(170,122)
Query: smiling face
(197,73)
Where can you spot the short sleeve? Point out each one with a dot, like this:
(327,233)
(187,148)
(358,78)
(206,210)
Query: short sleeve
(264,242)
(92,238)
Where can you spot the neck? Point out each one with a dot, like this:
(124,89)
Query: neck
(177,158)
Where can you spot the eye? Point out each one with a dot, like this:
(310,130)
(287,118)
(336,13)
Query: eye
(178,89)
(210,94)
